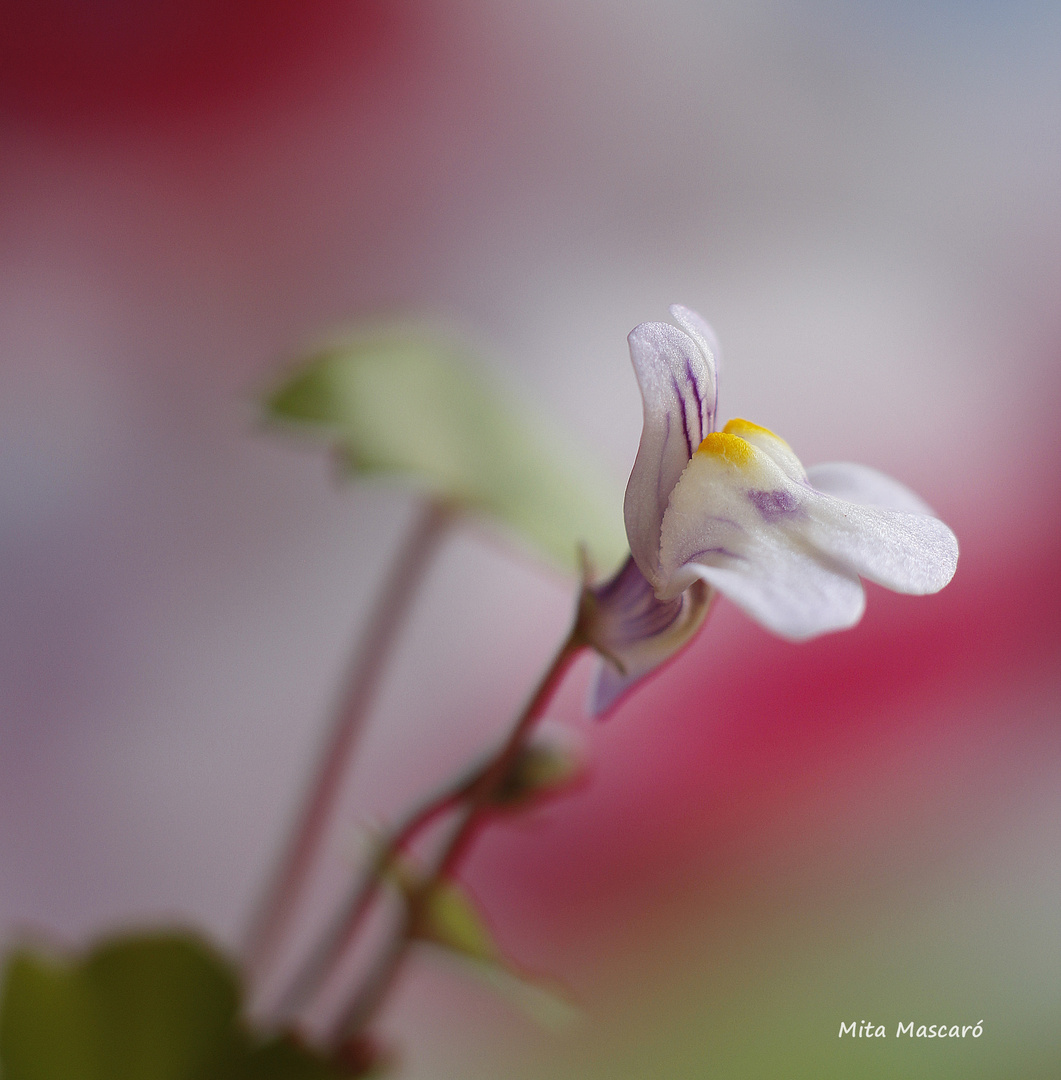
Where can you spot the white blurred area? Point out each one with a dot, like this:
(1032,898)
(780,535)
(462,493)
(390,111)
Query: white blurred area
(862,198)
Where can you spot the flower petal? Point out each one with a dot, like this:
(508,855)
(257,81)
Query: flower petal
(634,632)
(866,486)
(677,381)
(775,448)
(734,520)
(787,589)
(789,555)
(701,332)
(907,553)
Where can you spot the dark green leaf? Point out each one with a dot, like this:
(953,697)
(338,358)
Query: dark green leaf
(48,1029)
(166,1006)
(146,1007)
(283,1059)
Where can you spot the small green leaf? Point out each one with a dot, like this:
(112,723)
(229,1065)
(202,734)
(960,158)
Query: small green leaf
(447,917)
(547,1007)
(400,404)
(546,764)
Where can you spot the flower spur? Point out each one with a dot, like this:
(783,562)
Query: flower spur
(735,512)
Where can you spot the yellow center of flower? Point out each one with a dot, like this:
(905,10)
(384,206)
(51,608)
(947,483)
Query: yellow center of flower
(739,441)
(744,428)
(729,447)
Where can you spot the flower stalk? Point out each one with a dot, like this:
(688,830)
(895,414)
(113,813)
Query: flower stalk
(470,801)
(388,616)
(472,813)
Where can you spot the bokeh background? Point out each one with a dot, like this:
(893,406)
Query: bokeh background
(862,197)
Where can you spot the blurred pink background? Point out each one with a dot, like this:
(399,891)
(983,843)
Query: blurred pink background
(862,198)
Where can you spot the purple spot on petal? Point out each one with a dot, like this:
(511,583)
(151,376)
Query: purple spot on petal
(774,504)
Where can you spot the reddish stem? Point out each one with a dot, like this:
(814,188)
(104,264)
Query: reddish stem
(476,799)
(389,613)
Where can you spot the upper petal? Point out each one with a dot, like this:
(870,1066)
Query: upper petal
(697,327)
(676,374)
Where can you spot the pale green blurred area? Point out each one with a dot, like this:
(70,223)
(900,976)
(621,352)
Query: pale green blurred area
(772,1004)
(906,890)
(714,994)
(402,404)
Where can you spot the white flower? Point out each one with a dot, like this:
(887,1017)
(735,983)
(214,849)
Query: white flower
(734,511)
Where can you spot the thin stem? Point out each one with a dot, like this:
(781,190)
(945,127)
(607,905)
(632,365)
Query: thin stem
(385,622)
(482,795)
(470,817)
(333,944)
(378,981)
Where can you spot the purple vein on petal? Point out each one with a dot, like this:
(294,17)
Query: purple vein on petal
(716,551)
(705,381)
(701,400)
(662,495)
(683,404)
(639,615)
